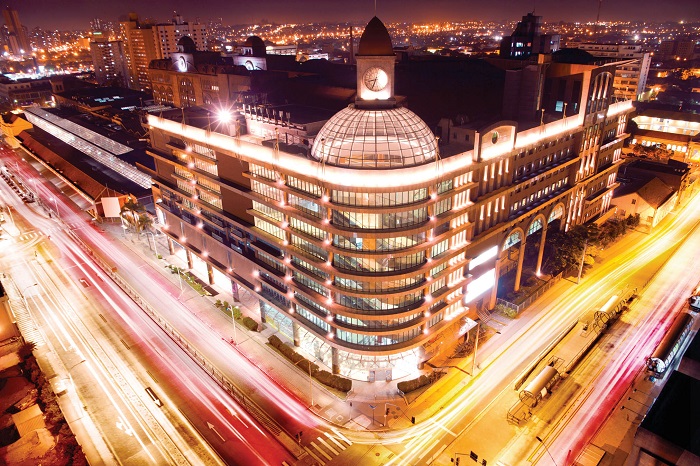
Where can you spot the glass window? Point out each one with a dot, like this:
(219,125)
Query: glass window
(384,221)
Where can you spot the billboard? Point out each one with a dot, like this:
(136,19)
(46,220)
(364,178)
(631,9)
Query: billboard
(111,207)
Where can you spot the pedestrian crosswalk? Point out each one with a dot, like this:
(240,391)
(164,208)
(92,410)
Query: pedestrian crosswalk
(25,323)
(326,447)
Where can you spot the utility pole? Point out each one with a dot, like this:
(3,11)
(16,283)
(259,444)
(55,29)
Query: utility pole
(476,346)
(580,266)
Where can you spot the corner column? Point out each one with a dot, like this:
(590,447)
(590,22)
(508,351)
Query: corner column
(519,270)
(540,250)
(335,360)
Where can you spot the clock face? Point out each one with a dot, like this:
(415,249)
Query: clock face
(182,64)
(375,79)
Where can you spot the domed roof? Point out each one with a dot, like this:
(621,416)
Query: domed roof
(375,41)
(379,139)
(186,45)
(257,45)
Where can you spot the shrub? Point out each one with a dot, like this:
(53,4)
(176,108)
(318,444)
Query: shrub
(236,311)
(250,324)
(218,303)
(413,384)
(506,310)
(334,381)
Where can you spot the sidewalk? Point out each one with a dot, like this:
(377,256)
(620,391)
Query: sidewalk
(365,407)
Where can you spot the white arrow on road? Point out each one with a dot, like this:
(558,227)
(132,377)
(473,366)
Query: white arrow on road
(211,426)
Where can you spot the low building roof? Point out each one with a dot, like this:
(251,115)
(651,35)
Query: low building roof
(675,413)
(28,420)
(654,191)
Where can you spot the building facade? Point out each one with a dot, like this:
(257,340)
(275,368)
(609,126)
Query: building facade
(669,129)
(110,62)
(379,249)
(139,47)
(527,39)
(630,78)
(17,34)
(191,78)
(167,36)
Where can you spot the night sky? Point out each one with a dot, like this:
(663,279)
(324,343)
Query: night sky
(76,14)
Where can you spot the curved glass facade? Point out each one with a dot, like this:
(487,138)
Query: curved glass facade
(386,138)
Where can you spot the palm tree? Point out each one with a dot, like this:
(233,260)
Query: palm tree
(132,211)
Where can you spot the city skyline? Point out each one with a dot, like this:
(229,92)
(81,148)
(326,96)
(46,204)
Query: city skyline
(76,14)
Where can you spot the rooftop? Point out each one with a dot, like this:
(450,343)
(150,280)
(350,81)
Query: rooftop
(675,413)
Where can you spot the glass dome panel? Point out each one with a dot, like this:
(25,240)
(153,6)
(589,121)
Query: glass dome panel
(378,139)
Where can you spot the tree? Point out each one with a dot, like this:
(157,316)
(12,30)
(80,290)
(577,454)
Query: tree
(564,249)
(134,213)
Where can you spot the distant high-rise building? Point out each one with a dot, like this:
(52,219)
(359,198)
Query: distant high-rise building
(17,35)
(527,39)
(631,77)
(679,49)
(167,35)
(139,48)
(109,60)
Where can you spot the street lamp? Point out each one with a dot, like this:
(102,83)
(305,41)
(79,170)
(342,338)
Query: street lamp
(546,449)
(476,346)
(235,334)
(55,203)
(155,249)
(21,293)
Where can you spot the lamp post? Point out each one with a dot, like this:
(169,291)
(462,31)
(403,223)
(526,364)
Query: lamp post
(583,258)
(155,249)
(476,346)
(55,203)
(546,449)
(235,334)
(21,293)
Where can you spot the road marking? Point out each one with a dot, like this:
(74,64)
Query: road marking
(437,454)
(443,428)
(284,463)
(211,426)
(344,438)
(315,457)
(426,450)
(320,450)
(327,446)
(332,439)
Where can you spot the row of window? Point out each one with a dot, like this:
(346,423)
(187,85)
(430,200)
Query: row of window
(383,221)
(360,243)
(379,264)
(384,285)
(377,340)
(379,199)
(535,196)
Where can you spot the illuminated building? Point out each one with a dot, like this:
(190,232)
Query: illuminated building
(379,248)
(167,35)
(191,78)
(17,39)
(140,49)
(679,49)
(527,39)
(670,129)
(109,61)
(630,78)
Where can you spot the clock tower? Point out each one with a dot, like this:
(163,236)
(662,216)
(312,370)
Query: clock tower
(375,68)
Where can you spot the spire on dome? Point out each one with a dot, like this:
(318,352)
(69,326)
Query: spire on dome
(375,41)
